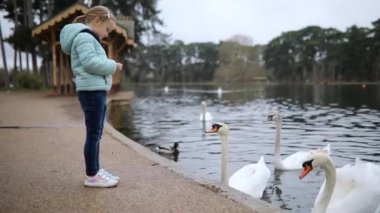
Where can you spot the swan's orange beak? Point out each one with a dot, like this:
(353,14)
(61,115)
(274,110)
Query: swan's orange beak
(305,171)
(212,130)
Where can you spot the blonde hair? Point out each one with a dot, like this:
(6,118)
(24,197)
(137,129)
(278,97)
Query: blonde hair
(98,11)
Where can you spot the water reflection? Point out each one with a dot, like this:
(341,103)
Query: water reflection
(274,191)
(346,116)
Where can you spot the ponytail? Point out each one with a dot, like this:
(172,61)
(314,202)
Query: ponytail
(80,19)
(98,11)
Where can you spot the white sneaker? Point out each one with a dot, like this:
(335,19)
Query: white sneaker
(100,180)
(107,174)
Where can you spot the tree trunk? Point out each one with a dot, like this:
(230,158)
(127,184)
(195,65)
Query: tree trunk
(27,60)
(15,12)
(50,7)
(34,59)
(15,59)
(96,2)
(40,16)
(15,48)
(6,77)
(32,44)
(26,13)
(20,59)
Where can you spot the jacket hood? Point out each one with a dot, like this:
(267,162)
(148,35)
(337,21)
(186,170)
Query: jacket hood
(68,33)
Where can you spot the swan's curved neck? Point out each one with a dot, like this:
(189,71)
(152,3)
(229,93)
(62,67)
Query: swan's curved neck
(277,152)
(204,112)
(323,202)
(224,140)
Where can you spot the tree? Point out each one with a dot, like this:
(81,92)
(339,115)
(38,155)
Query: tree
(238,63)
(355,54)
(143,12)
(21,13)
(332,51)
(242,40)
(6,77)
(281,55)
(374,50)
(314,53)
(60,5)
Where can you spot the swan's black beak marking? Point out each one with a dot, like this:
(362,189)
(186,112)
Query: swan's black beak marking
(307,167)
(214,128)
(270,117)
(307,163)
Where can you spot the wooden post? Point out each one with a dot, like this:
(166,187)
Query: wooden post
(69,75)
(61,74)
(110,49)
(120,48)
(64,70)
(54,61)
(6,76)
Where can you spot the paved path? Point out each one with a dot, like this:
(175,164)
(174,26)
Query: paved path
(42,167)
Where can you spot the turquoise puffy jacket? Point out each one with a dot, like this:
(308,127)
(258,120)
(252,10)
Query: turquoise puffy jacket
(89,63)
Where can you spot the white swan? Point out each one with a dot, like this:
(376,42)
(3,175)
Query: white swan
(251,179)
(205,116)
(219,92)
(166,89)
(294,161)
(350,189)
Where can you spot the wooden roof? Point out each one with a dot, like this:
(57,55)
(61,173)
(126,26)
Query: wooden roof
(43,31)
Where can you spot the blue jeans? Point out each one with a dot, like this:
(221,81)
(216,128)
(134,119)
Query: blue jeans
(94,106)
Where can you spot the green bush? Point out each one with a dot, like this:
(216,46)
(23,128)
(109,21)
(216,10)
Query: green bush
(22,80)
(29,81)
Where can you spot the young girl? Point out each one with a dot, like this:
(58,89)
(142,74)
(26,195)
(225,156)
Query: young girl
(93,79)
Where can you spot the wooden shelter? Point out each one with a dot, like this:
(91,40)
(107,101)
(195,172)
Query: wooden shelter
(118,41)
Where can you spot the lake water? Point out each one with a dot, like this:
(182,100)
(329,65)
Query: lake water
(346,116)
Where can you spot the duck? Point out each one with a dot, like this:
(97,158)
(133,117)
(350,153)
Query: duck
(251,179)
(294,161)
(171,150)
(350,189)
(205,115)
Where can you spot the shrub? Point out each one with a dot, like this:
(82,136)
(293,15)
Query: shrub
(29,81)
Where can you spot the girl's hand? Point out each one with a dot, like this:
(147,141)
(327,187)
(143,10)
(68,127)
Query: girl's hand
(119,66)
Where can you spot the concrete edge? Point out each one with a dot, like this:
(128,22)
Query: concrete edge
(248,201)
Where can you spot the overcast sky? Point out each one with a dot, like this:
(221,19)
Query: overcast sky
(262,20)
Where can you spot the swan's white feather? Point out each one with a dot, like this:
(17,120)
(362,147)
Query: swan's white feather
(251,179)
